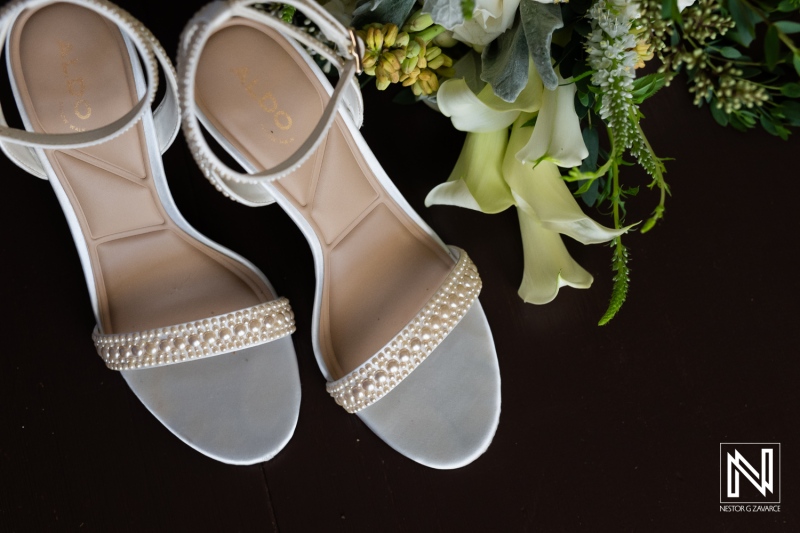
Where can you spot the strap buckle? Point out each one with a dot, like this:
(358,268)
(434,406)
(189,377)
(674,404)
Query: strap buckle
(355,50)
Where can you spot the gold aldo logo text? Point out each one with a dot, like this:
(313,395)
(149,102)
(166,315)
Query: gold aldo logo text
(76,87)
(268,104)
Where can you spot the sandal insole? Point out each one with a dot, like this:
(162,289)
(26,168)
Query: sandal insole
(380,267)
(73,73)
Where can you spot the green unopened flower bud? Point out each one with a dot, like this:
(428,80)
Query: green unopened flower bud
(425,74)
(402,39)
(399,54)
(370,40)
(378,38)
(409,64)
(448,61)
(445,40)
(381,77)
(434,83)
(413,49)
(370,58)
(428,81)
(446,72)
(391,59)
(425,86)
(370,70)
(416,89)
(420,21)
(422,51)
(436,62)
(390,35)
(432,52)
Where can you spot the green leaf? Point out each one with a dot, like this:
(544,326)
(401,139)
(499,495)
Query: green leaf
(767,124)
(788,27)
(730,52)
(621,279)
(444,12)
(772,48)
(592,141)
(718,113)
(790,110)
(787,6)
(792,90)
(382,11)
(675,38)
(796,61)
(467,7)
(750,72)
(671,11)
(287,13)
(745,30)
(736,123)
(647,86)
(505,63)
(538,22)
(592,193)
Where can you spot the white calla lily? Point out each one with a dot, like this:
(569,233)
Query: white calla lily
(557,135)
(495,171)
(485,111)
(457,101)
(548,265)
(543,189)
(546,208)
(477,181)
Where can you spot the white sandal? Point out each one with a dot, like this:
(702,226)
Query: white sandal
(398,331)
(161,292)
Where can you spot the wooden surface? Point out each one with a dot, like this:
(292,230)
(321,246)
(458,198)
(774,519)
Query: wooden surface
(602,428)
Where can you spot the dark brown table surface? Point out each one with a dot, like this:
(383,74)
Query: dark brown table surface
(602,428)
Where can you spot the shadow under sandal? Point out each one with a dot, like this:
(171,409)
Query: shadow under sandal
(398,331)
(162,293)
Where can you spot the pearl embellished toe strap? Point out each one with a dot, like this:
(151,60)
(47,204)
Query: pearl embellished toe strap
(408,349)
(195,340)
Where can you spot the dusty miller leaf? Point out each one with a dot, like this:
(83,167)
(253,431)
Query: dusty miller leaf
(505,63)
(445,12)
(539,21)
(383,11)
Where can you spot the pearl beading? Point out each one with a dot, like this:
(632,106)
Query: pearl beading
(383,372)
(195,340)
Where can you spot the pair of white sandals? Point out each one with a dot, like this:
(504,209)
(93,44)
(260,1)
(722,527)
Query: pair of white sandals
(398,331)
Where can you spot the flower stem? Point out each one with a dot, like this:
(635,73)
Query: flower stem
(429,33)
(619,261)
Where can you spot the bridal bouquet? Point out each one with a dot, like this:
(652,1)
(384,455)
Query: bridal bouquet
(549,96)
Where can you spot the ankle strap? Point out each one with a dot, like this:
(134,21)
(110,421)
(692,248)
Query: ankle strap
(19,145)
(346,58)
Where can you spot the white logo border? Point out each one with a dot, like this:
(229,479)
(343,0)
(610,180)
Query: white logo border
(780,473)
